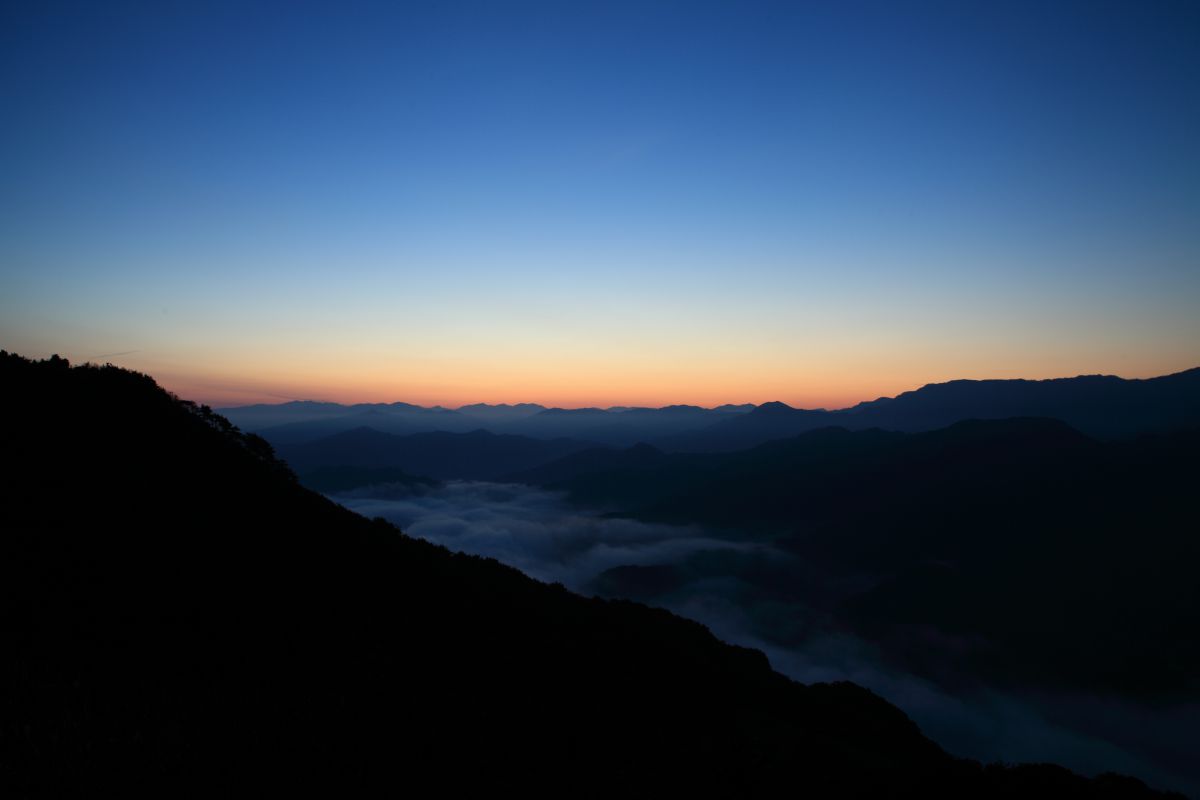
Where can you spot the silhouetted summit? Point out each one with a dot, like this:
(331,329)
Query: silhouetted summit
(1099,405)
(182,616)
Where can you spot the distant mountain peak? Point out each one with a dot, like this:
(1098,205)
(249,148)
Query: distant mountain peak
(731,407)
(774,407)
(502,407)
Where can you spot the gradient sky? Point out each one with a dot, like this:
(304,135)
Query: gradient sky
(597,204)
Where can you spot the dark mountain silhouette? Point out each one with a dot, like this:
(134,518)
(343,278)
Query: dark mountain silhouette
(768,421)
(479,455)
(334,479)
(1099,405)
(1073,559)
(587,463)
(299,422)
(500,413)
(740,409)
(267,415)
(294,433)
(620,427)
(642,583)
(180,614)
(400,422)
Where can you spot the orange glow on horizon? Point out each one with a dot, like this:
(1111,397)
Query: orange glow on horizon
(578,381)
(225,393)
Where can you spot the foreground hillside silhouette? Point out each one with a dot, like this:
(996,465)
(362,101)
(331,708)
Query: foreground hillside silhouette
(181,613)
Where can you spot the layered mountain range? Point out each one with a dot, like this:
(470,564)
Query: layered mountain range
(181,613)
(488,442)
(1100,405)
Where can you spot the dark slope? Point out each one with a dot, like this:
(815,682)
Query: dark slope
(768,421)
(478,455)
(757,488)
(621,427)
(589,462)
(181,615)
(398,419)
(334,480)
(1072,560)
(1099,405)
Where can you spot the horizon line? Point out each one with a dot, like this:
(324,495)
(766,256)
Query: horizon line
(623,407)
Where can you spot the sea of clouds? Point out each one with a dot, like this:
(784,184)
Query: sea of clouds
(746,593)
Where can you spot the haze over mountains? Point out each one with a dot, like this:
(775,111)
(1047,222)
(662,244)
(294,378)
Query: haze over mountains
(445,443)
(1100,405)
(300,421)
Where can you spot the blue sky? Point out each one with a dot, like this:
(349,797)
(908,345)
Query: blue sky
(601,203)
